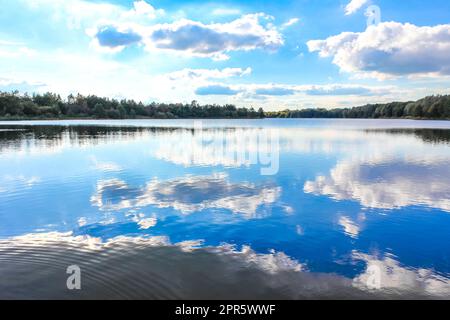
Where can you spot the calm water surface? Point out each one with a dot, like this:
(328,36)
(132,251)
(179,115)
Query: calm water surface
(158,210)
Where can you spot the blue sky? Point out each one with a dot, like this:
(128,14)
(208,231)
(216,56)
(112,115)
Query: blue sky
(274,54)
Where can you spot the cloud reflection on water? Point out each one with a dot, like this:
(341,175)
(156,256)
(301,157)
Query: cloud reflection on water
(188,194)
(386,184)
(104,166)
(385,169)
(397,278)
(377,169)
(152,267)
(350,227)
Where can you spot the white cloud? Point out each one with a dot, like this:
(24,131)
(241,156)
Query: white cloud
(10,43)
(354,5)
(194,38)
(390,49)
(279,90)
(147,223)
(143,8)
(10,49)
(205,74)
(82,221)
(347,90)
(113,27)
(74,68)
(79,14)
(74,14)
(290,23)
(274,90)
(8,85)
(87,73)
(326,90)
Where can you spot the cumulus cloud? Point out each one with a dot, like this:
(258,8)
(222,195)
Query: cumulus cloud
(187,195)
(116,26)
(354,5)
(202,40)
(389,49)
(215,40)
(146,9)
(147,223)
(109,36)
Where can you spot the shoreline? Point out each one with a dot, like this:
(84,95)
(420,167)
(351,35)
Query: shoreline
(175,119)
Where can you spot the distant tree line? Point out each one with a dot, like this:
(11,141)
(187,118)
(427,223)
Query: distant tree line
(432,107)
(52,106)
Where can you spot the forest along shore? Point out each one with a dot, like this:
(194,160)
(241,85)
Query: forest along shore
(15,106)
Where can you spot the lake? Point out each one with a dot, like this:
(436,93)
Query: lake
(241,209)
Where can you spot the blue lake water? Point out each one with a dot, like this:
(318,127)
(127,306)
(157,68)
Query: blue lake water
(225,208)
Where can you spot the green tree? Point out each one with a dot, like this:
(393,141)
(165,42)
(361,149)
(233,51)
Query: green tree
(261,113)
(122,112)
(30,108)
(99,111)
